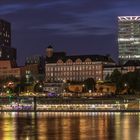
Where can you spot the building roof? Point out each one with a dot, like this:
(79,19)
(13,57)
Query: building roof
(132,63)
(112,66)
(64,58)
(4,21)
(129,18)
(36,59)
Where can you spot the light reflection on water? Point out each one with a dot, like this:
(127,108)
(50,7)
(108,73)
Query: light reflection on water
(70,126)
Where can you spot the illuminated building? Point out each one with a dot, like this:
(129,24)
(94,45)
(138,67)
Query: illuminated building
(30,71)
(107,70)
(8,68)
(5,33)
(6,51)
(36,59)
(53,87)
(60,67)
(129,66)
(34,67)
(129,38)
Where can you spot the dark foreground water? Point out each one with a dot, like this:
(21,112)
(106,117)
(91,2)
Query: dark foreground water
(69,126)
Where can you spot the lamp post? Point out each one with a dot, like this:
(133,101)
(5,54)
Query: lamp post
(19,90)
(84,87)
(3,89)
(126,87)
(139,104)
(9,92)
(64,85)
(40,88)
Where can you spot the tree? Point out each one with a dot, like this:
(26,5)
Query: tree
(19,88)
(137,84)
(132,79)
(116,77)
(107,78)
(10,79)
(38,87)
(89,84)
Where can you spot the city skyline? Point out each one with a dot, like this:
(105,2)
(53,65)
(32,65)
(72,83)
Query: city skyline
(81,27)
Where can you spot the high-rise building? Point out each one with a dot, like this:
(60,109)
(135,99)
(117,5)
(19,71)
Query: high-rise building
(5,33)
(6,51)
(8,66)
(129,38)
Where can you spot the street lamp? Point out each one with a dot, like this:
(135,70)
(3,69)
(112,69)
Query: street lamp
(139,104)
(3,89)
(64,85)
(90,91)
(125,85)
(40,86)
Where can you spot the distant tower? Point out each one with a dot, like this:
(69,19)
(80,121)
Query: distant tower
(129,38)
(49,51)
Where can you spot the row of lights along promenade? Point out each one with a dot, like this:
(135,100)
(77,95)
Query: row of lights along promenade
(41,103)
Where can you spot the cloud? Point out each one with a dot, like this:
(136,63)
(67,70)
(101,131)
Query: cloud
(69,17)
(18,6)
(51,4)
(11,8)
(74,29)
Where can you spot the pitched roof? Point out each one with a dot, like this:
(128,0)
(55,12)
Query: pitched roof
(64,58)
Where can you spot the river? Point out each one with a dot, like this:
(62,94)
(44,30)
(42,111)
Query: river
(70,126)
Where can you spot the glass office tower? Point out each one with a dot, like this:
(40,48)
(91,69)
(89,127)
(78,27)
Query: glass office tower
(129,38)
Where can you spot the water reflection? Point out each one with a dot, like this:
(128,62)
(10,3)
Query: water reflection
(69,126)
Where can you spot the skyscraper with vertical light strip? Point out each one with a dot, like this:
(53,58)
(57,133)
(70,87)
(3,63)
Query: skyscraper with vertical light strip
(128,38)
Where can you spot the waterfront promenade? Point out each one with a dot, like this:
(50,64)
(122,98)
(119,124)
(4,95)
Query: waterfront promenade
(45,104)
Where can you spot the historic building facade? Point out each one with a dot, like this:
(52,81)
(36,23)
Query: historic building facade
(8,68)
(129,66)
(75,68)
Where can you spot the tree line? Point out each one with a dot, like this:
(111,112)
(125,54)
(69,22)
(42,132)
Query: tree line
(130,82)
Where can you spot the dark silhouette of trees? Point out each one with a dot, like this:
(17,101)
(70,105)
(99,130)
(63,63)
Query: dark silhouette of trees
(89,84)
(116,77)
(129,81)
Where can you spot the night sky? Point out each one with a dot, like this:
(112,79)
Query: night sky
(75,26)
